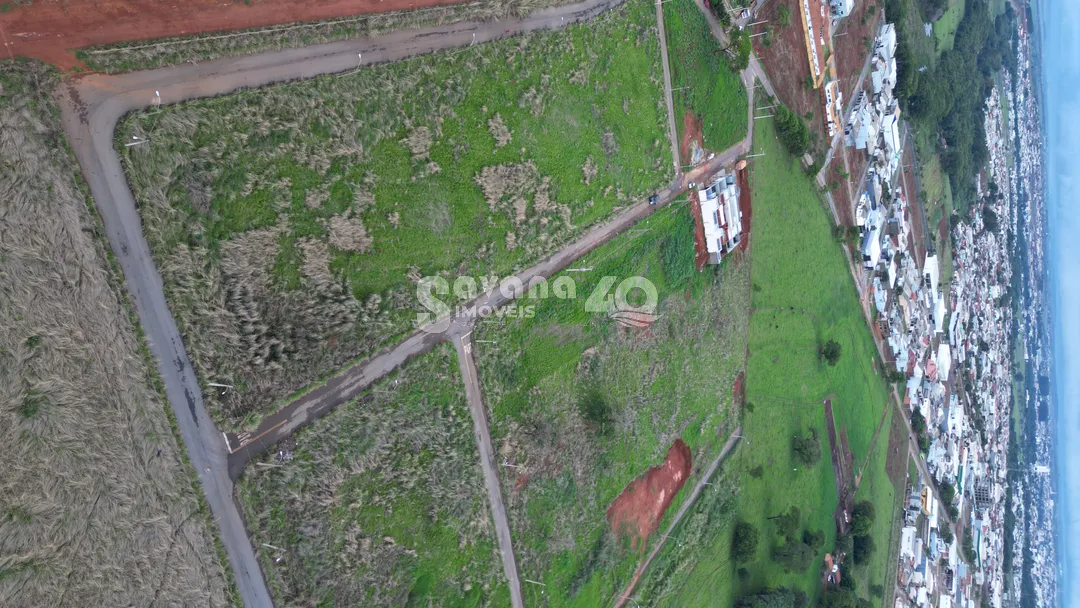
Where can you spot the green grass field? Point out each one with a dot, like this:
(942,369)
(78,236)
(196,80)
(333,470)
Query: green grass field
(714,92)
(945,28)
(802,295)
(922,46)
(383,502)
(288,222)
(672,380)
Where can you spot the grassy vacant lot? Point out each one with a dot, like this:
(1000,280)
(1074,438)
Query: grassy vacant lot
(801,295)
(290,223)
(945,28)
(715,93)
(583,406)
(97,505)
(382,502)
(147,54)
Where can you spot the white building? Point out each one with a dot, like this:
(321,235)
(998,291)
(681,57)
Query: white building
(720,216)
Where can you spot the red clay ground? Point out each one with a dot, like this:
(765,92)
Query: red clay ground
(637,511)
(915,208)
(745,207)
(786,64)
(841,461)
(50,31)
(691,133)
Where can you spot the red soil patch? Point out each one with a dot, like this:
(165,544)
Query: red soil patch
(745,207)
(787,65)
(637,511)
(691,133)
(701,252)
(50,31)
(739,390)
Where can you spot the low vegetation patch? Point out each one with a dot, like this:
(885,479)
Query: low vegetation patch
(290,224)
(97,504)
(802,297)
(381,502)
(667,384)
(708,82)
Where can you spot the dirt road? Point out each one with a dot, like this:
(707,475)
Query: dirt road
(51,31)
(354,380)
(91,107)
(470,377)
(673,133)
(624,597)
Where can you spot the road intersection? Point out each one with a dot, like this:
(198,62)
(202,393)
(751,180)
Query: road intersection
(92,105)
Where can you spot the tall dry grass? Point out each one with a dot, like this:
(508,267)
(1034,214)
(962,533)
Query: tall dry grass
(96,507)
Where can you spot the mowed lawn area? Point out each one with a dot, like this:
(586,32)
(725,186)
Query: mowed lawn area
(290,223)
(381,503)
(802,295)
(580,406)
(701,80)
(945,28)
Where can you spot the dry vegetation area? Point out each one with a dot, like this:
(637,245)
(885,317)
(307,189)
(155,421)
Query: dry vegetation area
(97,507)
(291,223)
(581,406)
(382,502)
(148,54)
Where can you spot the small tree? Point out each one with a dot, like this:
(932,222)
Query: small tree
(794,556)
(862,518)
(787,524)
(807,448)
(595,409)
(744,542)
(831,352)
(813,538)
(864,550)
(783,16)
(918,423)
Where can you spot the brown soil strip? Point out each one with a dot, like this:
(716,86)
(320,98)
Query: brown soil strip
(691,133)
(638,510)
(840,471)
(51,31)
(701,253)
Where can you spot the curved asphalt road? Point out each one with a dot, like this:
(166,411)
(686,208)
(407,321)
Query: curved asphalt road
(91,107)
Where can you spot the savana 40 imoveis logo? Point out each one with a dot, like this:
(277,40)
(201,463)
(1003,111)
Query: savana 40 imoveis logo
(630,302)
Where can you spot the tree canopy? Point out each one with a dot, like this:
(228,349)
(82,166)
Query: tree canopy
(744,542)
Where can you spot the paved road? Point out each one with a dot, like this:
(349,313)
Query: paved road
(469,376)
(728,446)
(91,107)
(847,112)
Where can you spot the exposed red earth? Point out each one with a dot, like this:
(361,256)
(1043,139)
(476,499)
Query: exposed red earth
(638,510)
(51,31)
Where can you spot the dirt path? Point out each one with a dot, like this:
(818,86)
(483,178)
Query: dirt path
(728,446)
(841,472)
(51,31)
(91,107)
(673,134)
(487,460)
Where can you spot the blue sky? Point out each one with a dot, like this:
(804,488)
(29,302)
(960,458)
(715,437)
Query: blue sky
(1060,23)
